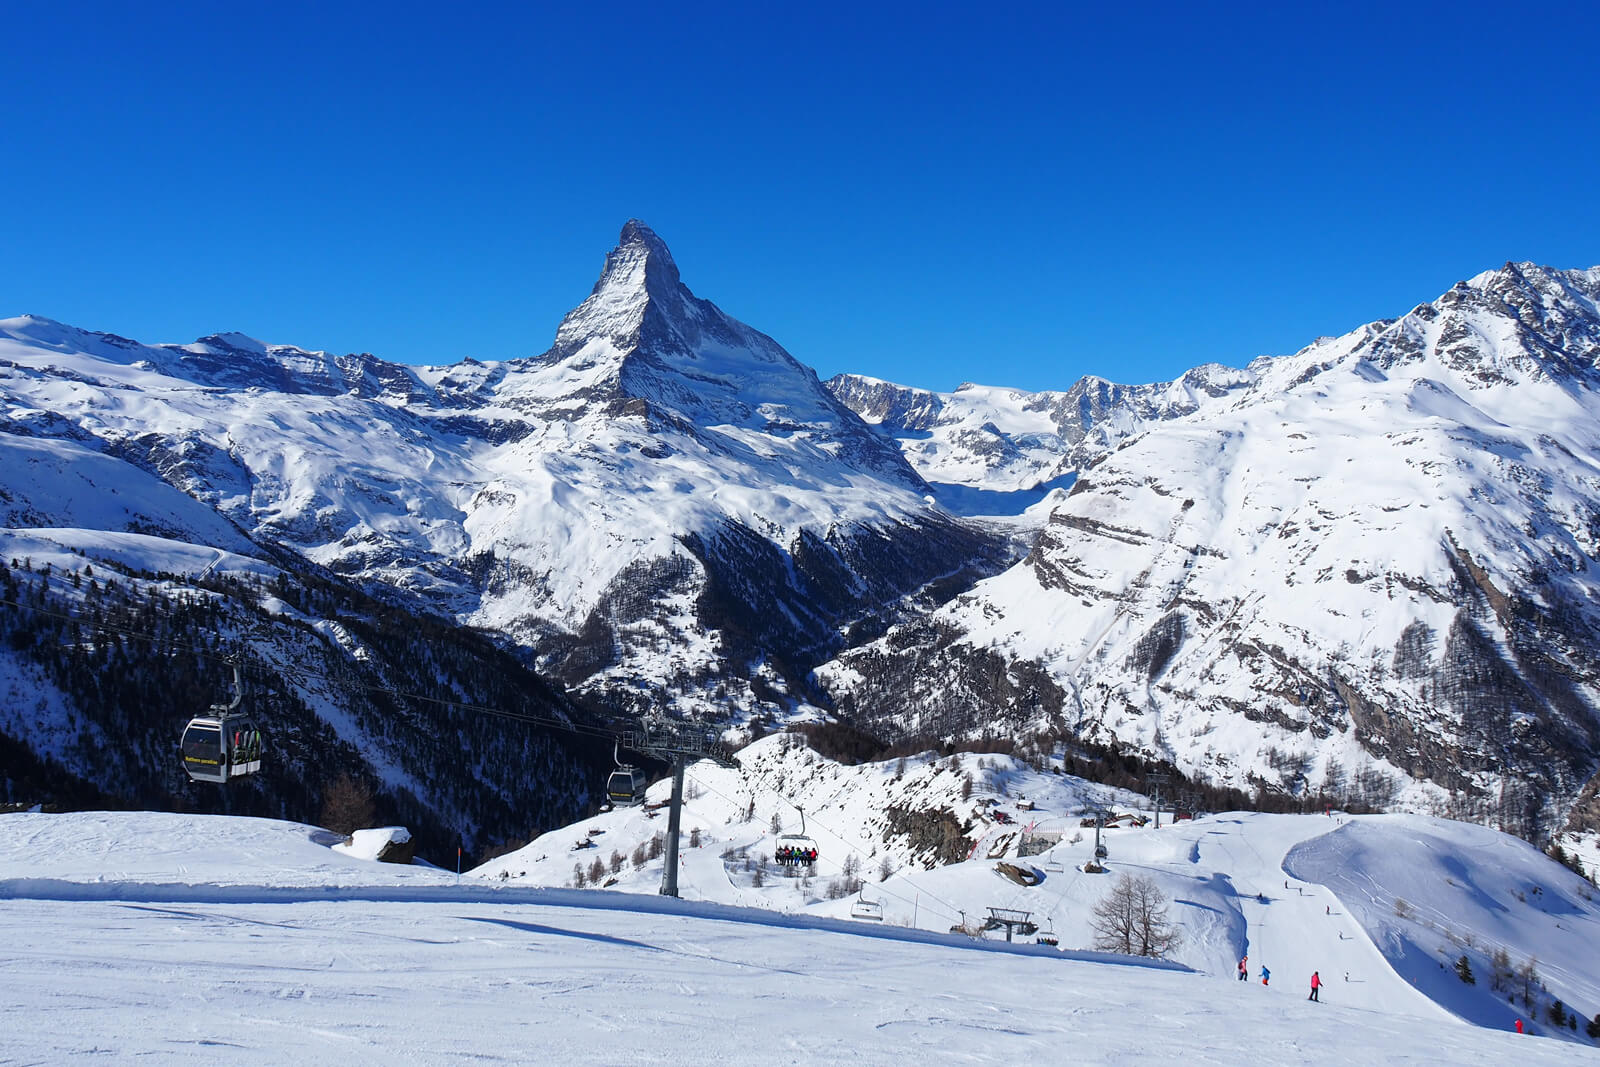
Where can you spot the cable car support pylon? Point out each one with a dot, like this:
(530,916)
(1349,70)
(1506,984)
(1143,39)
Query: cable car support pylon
(677,745)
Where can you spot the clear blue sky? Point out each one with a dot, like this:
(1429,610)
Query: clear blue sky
(1011,195)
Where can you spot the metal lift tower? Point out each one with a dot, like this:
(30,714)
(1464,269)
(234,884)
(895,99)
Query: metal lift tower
(677,744)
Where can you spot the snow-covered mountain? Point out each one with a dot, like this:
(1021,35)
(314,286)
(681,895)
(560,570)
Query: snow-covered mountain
(664,511)
(687,507)
(1369,568)
(1366,569)
(663,506)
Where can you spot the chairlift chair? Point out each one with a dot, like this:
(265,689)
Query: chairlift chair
(224,745)
(866,909)
(796,849)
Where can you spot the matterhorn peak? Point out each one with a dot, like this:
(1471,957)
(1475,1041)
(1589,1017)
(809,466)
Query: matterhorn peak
(640,261)
(637,234)
(639,272)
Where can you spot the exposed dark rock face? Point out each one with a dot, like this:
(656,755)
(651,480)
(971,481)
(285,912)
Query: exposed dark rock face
(1152,652)
(936,838)
(398,851)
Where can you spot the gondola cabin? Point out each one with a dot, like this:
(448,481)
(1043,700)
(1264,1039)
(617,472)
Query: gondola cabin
(220,749)
(625,788)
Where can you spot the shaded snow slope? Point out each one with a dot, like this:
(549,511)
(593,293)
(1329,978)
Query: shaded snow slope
(1430,891)
(65,483)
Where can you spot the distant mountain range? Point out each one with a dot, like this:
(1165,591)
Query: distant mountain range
(1366,569)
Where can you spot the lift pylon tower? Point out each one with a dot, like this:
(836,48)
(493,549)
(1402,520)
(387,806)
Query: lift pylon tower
(1157,780)
(677,745)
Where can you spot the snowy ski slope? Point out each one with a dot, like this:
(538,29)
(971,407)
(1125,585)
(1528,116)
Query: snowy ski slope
(178,936)
(193,938)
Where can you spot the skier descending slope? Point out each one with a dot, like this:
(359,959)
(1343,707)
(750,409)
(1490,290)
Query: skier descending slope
(1316,987)
(1266,975)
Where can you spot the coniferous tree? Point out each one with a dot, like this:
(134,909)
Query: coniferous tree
(1464,970)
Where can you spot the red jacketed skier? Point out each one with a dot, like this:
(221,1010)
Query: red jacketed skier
(1316,987)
